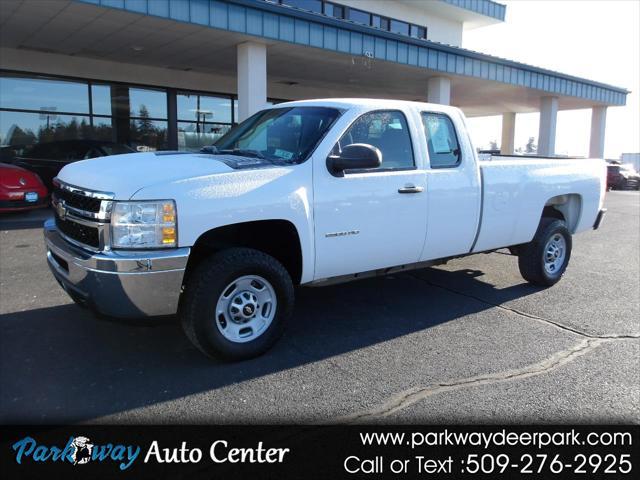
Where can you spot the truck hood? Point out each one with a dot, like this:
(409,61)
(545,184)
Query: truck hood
(124,175)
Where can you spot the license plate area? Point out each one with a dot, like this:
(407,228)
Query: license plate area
(31,197)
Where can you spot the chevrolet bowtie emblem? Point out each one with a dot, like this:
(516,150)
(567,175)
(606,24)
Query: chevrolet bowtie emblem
(61,210)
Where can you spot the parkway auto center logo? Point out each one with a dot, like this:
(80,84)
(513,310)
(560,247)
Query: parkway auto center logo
(79,450)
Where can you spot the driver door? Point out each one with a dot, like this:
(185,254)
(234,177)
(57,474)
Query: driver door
(375,218)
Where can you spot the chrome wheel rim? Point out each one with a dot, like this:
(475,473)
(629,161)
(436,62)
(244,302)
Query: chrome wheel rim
(555,252)
(246,308)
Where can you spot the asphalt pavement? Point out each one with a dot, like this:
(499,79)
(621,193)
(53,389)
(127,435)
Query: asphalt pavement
(466,342)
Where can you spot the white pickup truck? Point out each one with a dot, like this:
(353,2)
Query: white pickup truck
(304,193)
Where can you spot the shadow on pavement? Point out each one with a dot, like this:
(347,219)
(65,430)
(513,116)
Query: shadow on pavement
(26,219)
(61,364)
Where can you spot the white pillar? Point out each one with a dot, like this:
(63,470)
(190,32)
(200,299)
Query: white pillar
(598,126)
(252,79)
(508,133)
(547,131)
(439,90)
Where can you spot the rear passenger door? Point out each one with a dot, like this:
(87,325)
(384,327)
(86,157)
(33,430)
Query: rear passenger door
(453,186)
(375,218)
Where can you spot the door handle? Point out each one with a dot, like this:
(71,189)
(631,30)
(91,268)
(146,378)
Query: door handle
(410,189)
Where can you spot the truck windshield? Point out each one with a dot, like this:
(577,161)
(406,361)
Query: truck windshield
(281,135)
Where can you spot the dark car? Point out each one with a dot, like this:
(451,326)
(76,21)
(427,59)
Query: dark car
(622,177)
(47,159)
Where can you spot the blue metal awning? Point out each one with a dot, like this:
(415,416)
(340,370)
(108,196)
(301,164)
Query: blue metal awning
(483,7)
(287,24)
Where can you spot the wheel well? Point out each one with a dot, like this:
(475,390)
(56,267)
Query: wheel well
(278,238)
(552,212)
(565,207)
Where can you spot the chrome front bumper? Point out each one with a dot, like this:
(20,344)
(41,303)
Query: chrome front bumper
(117,283)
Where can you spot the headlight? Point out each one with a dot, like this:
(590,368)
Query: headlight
(148,224)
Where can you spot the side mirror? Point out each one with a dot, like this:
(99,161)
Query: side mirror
(354,157)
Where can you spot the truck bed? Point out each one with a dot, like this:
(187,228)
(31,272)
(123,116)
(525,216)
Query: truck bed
(516,189)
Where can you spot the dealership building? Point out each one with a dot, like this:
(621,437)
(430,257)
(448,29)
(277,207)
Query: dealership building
(177,74)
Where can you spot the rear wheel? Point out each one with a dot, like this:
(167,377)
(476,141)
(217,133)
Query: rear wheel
(237,303)
(544,260)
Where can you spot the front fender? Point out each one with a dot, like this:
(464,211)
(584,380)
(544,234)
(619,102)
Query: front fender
(212,201)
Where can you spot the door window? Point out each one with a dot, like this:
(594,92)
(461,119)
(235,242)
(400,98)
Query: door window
(442,142)
(388,131)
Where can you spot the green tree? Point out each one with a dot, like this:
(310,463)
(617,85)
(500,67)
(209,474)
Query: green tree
(85,130)
(146,130)
(145,126)
(18,136)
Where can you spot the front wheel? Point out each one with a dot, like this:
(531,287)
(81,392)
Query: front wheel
(544,260)
(237,303)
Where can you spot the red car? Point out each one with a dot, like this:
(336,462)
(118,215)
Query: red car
(622,177)
(21,189)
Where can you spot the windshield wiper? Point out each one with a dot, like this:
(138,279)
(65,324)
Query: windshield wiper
(213,150)
(244,153)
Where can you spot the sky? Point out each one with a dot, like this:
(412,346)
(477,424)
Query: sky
(596,40)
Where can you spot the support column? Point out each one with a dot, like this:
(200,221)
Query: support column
(252,78)
(172,116)
(547,131)
(508,133)
(598,126)
(439,90)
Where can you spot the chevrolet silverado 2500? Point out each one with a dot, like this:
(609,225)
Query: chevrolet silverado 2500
(304,193)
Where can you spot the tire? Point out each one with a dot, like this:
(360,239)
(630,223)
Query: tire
(535,265)
(234,282)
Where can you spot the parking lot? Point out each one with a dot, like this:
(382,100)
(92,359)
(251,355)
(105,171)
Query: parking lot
(469,341)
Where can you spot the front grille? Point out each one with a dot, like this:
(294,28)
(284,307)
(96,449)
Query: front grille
(78,232)
(75,200)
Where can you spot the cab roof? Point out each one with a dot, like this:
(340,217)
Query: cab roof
(369,104)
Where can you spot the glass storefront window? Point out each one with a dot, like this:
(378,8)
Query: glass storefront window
(201,108)
(193,136)
(101,99)
(332,10)
(21,128)
(103,129)
(397,26)
(147,135)
(311,5)
(154,102)
(138,102)
(359,16)
(43,94)
(418,32)
(117,115)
